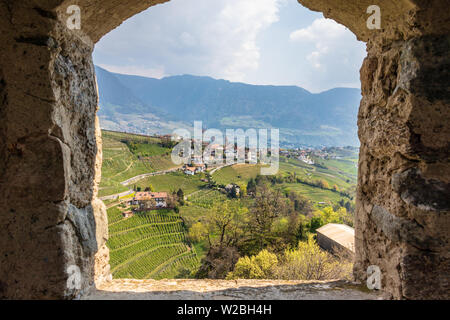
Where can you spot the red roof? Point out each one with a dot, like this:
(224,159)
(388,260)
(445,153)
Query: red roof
(145,196)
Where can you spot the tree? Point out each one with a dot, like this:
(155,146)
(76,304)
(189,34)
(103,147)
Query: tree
(218,262)
(180,194)
(309,262)
(323,184)
(301,204)
(251,186)
(330,216)
(243,192)
(171,201)
(268,206)
(261,266)
(197,232)
(226,222)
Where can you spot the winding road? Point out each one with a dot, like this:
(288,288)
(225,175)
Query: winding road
(145,175)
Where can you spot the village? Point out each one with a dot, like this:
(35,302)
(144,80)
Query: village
(147,200)
(307,154)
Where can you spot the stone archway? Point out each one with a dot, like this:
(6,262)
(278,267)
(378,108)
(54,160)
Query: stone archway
(50,152)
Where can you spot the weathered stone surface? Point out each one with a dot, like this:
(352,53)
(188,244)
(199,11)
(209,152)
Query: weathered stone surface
(426,194)
(402,219)
(402,196)
(230,290)
(48,150)
(402,230)
(50,153)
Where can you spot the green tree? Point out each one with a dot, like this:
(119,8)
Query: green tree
(251,186)
(226,222)
(310,262)
(261,266)
(243,192)
(180,194)
(198,232)
(268,206)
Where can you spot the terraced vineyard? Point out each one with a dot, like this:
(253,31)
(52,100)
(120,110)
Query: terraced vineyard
(149,245)
(121,161)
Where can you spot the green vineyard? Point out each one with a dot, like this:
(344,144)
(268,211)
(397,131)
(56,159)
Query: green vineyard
(150,245)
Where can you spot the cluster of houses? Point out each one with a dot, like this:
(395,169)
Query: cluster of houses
(305,158)
(306,153)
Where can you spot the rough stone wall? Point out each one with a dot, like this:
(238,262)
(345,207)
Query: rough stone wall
(403,193)
(50,145)
(402,220)
(49,151)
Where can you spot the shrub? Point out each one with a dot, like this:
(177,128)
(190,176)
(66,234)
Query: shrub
(309,262)
(261,266)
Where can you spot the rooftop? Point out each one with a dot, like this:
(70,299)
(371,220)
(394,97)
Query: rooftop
(143,196)
(339,233)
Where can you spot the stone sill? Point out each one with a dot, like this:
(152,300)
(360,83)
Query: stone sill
(130,289)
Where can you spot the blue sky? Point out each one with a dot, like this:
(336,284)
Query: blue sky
(276,42)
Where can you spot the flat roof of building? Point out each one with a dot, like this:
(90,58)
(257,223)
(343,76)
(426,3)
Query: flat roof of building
(339,233)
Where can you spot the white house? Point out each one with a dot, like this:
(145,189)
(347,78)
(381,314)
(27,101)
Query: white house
(141,199)
(189,170)
(194,169)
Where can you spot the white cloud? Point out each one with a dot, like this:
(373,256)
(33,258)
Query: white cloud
(320,30)
(198,36)
(237,40)
(157,73)
(327,36)
(334,51)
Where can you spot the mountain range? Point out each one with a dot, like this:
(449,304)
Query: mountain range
(146,105)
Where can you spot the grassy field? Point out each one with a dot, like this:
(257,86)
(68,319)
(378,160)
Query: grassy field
(172,182)
(239,174)
(316,195)
(312,174)
(128,155)
(149,245)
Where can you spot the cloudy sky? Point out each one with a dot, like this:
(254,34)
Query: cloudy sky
(275,42)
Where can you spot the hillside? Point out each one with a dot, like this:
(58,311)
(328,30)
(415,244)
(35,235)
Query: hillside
(171,243)
(129,155)
(149,245)
(146,105)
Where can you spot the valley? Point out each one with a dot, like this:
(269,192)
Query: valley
(177,242)
(159,106)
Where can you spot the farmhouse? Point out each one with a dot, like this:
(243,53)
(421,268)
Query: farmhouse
(333,236)
(200,167)
(127,214)
(143,199)
(194,169)
(189,170)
